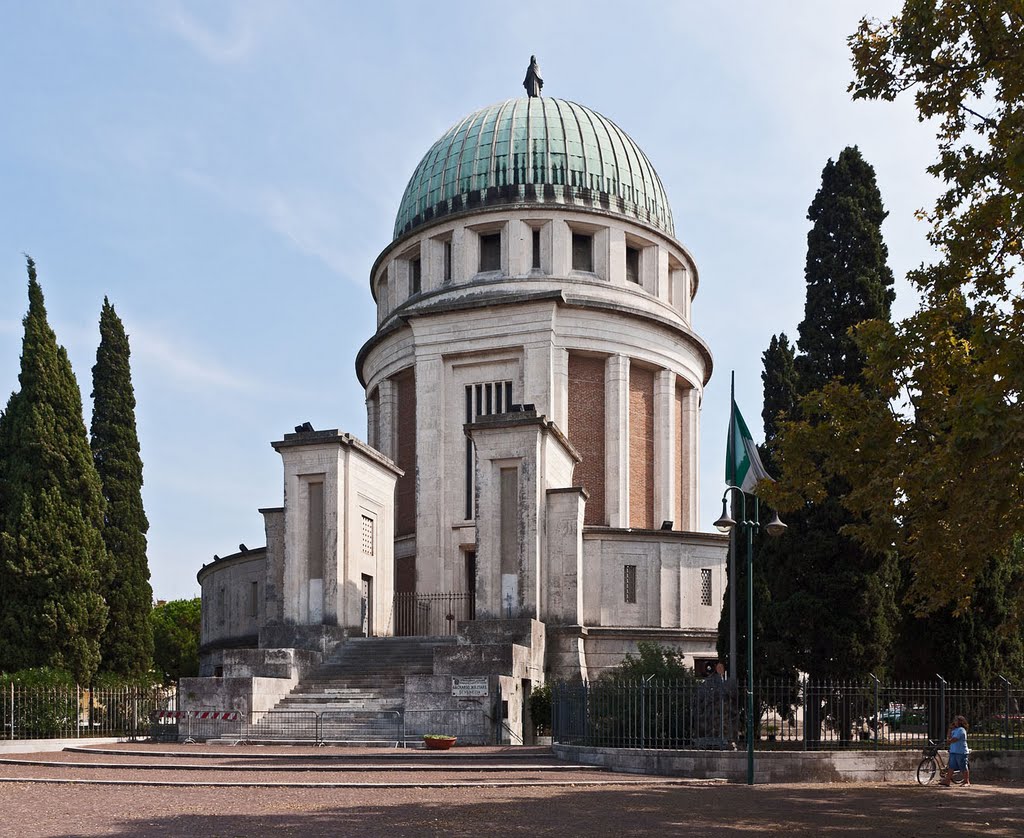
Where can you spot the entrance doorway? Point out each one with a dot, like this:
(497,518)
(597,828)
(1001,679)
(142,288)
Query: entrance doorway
(366,606)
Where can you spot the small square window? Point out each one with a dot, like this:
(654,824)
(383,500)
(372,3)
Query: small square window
(633,264)
(629,583)
(582,252)
(490,252)
(415,276)
(705,586)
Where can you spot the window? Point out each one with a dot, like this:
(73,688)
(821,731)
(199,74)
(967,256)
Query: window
(222,615)
(629,583)
(536,250)
(447,268)
(633,265)
(367,535)
(254,599)
(415,276)
(490,252)
(482,400)
(705,586)
(582,252)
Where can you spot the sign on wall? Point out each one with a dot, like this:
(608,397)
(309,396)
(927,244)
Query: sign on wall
(473,686)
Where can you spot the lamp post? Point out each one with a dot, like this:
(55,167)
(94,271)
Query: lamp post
(774,527)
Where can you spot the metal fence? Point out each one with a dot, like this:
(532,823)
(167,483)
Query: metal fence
(34,712)
(803,714)
(432,615)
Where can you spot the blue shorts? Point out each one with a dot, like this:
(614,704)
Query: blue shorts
(957,762)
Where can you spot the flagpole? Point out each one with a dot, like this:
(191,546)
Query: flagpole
(732,554)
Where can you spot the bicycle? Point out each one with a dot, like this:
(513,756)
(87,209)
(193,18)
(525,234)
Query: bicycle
(934,765)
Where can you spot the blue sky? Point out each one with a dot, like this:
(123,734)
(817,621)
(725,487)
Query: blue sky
(226,172)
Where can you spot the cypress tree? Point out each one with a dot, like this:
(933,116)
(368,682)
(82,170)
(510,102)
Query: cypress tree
(51,513)
(128,639)
(833,601)
(848,280)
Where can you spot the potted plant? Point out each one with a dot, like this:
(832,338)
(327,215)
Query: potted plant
(438,741)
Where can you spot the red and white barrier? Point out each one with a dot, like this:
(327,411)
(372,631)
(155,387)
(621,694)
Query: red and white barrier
(212,715)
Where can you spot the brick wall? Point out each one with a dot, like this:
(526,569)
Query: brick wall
(641,447)
(405,452)
(586,430)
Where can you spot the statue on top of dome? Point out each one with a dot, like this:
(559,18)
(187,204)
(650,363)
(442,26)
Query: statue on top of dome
(533,82)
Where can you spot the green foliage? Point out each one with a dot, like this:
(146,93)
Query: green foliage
(42,676)
(540,707)
(52,554)
(939,476)
(128,641)
(832,603)
(176,627)
(652,662)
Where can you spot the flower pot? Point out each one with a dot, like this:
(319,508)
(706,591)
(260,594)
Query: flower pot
(438,743)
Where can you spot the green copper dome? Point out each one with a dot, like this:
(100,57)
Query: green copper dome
(535,150)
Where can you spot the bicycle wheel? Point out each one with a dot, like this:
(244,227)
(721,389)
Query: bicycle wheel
(927,771)
(957,777)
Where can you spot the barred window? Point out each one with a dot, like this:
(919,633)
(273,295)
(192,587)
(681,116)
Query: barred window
(367,535)
(629,583)
(482,400)
(705,586)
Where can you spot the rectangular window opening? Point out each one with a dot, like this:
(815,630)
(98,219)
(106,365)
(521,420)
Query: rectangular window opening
(447,271)
(254,599)
(705,586)
(582,252)
(415,276)
(536,250)
(367,533)
(633,265)
(629,583)
(490,252)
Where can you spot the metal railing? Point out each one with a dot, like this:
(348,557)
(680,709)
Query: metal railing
(802,713)
(362,727)
(431,615)
(35,712)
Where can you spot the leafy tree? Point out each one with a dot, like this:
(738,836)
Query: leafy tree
(176,626)
(652,662)
(939,476)
(52,554)
(128,641)
(833,601)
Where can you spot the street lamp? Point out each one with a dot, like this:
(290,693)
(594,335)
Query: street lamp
(774,528)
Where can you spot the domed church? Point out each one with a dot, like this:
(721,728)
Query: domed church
(525,503)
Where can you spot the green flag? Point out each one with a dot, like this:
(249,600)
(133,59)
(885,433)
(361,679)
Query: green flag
(743,465)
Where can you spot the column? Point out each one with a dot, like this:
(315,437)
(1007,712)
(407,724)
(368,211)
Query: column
(385,437)
(616,427)
(664,448)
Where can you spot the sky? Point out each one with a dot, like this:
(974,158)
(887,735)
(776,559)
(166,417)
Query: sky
(227,172)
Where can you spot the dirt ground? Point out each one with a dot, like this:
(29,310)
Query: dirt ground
(649,806)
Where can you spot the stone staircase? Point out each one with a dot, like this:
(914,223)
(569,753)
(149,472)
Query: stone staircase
(356,696)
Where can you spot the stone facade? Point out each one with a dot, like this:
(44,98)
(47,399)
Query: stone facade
(533,391)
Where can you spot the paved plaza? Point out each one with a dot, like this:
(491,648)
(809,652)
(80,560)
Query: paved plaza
(214,791)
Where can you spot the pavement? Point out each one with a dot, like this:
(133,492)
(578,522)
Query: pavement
(145,790)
